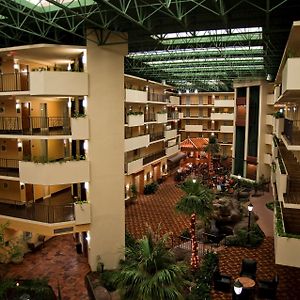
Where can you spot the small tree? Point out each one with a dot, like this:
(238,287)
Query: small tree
(150,272)
(196,202)
(212,148)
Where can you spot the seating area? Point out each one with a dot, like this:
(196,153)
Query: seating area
(250,288)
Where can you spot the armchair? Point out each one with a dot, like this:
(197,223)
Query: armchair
(249,267)
(222,282)
(266,289)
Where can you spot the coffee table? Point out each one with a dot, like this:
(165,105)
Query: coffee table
(246,282)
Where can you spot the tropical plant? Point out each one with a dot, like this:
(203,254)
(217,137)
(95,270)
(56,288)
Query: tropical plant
(150,271)
(211,148)
(197,201)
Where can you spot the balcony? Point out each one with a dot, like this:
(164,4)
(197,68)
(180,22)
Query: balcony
(161,118)
(134,166)
(152,157)
(170,134)
(224,103)
(82,213)
(194,128)
(154,97)
(156,136)
(136,142)
(269,120)
(135,96)
(35,125)
(226,129)
(173,115)
(135,119)
(58,83)
(172,150)
(291,133)
(268,158)
(9,167)
(180,115)
(80,128)
(150,117)
(51,173)
(222,116)
(291,80)
(268,139)
(14,82)
(174,100)
(278,126)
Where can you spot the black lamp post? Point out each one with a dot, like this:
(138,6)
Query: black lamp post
(250,208)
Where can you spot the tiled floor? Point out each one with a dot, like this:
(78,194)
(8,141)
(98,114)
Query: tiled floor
(59,262)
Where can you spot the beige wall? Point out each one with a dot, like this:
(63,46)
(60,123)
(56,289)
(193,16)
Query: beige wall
(10,190)
(11,151)
(105,65)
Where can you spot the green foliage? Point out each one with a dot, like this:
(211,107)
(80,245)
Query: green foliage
(133,190)
(278,114)
(213,146)
(256,236)
(203,277)
(150,272)
(35,288)
(134,113)
(198,199)
(129,240)
(150,188)
(270,205)
(108,280)
(186,233)
(77,115)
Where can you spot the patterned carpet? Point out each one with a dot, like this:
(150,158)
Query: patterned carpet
(159,209)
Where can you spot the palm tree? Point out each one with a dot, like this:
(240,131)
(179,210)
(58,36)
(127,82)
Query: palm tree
(196,202)
(211,148)
(150,272)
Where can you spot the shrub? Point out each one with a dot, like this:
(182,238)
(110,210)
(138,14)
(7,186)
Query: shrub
(256,236)
(150,188)
(108,280)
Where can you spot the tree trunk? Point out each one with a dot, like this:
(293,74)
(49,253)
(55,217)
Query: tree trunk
(194,244)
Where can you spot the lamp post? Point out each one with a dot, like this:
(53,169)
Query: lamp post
(239,179)
(250,208)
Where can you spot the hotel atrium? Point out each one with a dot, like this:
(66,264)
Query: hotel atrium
(102,101)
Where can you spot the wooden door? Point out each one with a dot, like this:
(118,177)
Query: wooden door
(25,108)
(26,149)
(29,192)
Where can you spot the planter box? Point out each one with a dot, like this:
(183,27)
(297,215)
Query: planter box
(82,212)
(135,96)
(135,120)
(80,128)
(161,118)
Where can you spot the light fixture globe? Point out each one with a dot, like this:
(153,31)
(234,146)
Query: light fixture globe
(237,287)
(250,207)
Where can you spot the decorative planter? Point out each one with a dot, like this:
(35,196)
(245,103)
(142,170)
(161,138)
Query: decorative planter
(82,213)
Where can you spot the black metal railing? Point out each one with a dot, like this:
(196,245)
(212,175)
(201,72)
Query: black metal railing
(150,117)
(158,97)
(9,163)
(39,212)
(173,115)
(18,81)
(157,136)
(149,158)
(35,125)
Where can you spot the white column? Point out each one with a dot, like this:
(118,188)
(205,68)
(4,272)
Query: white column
(105,66)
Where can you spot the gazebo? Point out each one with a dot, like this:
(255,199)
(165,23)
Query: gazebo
(194,148)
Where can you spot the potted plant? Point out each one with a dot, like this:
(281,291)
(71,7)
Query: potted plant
(16,252)
(133,193)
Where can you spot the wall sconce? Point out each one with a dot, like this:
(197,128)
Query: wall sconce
(69,103)
(20,145)
(22,185)
(69,66)
(150,175)
(70,140)
(16,65)
(84,102)
(145,177)
(86,186)
(18,107)
(26,104)
(88,237)
(85,145)
(127,186)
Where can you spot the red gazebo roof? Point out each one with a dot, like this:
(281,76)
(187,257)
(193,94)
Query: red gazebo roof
(194,144)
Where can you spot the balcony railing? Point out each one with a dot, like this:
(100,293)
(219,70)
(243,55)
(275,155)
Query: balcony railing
(150,117)
(158,97)
(9,167)
(149,158)
(35,125)
(11,82)
(173,115)
(39,212)
(156,136)
(292,131)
